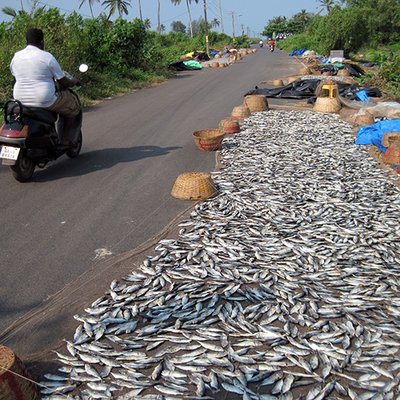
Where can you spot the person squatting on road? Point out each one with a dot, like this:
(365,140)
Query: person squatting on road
(39,79)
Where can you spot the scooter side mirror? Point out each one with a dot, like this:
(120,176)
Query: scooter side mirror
(83,68)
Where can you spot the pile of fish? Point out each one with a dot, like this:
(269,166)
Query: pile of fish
(284,286)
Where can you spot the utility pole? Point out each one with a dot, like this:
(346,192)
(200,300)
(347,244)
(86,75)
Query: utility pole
(221,16)
(206,27)
(233,23)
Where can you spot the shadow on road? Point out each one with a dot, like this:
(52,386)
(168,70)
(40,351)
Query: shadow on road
(97,160)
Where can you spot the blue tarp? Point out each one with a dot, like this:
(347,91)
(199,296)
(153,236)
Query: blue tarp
(298,52)
(373,134)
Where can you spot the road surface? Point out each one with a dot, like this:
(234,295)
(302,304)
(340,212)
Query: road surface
(75,214)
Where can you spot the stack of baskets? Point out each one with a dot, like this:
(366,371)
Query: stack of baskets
(194,186)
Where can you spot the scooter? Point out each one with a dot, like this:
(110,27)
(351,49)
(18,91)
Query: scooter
(271,48)
(31,137)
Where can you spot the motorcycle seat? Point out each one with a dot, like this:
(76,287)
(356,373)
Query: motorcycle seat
(40,114)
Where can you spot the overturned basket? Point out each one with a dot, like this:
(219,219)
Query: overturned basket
(327,105)
(241,113)
(229,126)
(256,103)
(194,186)
(208,139)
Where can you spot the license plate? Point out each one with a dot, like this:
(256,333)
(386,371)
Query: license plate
(9,152)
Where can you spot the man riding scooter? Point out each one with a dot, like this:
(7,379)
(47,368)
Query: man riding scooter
(36,72)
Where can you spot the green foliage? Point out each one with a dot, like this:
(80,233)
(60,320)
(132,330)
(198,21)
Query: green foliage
(121,55)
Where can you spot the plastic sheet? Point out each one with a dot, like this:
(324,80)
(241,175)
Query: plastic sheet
(373,134)
(301,89)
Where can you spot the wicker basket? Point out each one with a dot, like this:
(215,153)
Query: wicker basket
(208,139)
(217,56)
(214,65)
(364,119)
(392,155)
(305,71)
(256,103)
(240,113)
(277,82)
(254,50)
(327,105)
(390,137)
(291,79)
(229,126)
(222,65)
(343,72)
(194,186)
(12,386)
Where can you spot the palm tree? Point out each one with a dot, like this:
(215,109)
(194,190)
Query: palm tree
(140,11)
(158,17)
(215,23)
(147,23)
(117,5)
(90,2)
(175,2)
(328,4)
(11,12)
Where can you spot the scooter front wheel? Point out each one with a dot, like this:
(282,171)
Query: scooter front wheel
(76,148)
(23,169)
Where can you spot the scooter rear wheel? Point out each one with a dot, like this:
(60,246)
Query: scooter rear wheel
(23,169)
(76,149)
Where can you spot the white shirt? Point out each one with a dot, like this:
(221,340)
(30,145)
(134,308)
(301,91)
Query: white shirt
(35,71)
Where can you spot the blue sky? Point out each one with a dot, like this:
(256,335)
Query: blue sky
(249,15)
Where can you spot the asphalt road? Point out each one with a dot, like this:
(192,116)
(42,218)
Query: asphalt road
(74,214)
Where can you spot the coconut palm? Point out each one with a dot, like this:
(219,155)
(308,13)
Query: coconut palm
(327,4)
(90,2)
(175,2)
(140,10)
(147,23)
(11,12)
(158,17)
(215,23)
(117,5)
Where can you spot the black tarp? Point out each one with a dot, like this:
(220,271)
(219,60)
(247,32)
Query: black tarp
(305,89)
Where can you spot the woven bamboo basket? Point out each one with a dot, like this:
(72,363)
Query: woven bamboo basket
(12,386)
(364,119)
(291,79)
(222,65)
(217,56)
(390,137)
(277,82)
(214,65)
(229,126)
(194,186)
(305,71)
(208,139)
(343,72)
(327,105)
(256,103)
(392,155)
(240,113)
(254,50)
